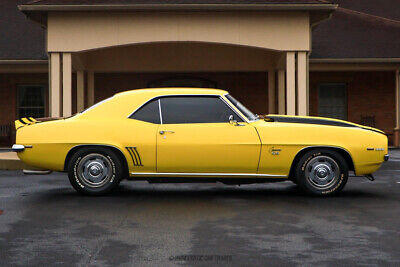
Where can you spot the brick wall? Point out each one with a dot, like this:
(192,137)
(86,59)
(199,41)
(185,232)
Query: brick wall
(368,94)
(250,88)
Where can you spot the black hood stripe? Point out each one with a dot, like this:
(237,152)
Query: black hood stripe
(309,121)
(316,121)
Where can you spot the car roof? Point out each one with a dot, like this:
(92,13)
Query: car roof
(173,91)
(122,104)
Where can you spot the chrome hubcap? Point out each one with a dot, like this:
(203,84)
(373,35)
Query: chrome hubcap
(322,172)
(94,170)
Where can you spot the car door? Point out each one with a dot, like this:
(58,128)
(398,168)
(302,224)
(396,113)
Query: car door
(195,136)
(140,139)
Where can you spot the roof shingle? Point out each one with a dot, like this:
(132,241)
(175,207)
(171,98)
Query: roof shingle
(386,8)
(20,38)
(353,34)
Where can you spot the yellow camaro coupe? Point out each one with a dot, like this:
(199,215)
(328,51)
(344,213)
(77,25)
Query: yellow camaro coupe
(197,135)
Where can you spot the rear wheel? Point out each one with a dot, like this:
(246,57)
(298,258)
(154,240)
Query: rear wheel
(322,172)
(95,171)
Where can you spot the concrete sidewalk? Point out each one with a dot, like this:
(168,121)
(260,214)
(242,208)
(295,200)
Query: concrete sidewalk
(10,161)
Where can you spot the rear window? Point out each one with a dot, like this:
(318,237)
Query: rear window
(96,105)
(149,112)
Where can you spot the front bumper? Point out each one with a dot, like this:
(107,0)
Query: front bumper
(386,157)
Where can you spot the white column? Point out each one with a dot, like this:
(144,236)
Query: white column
(67,84)
(290,83)
(302,88)
(271,91)
(90,88)
(281,92)
(55,84)
(80,90)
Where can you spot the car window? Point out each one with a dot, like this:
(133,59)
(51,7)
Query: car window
(149,112)
(195,109)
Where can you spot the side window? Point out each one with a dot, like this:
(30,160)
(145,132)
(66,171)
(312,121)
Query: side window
(148,113)
(195,109)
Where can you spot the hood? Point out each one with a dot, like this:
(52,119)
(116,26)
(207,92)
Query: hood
(316,120)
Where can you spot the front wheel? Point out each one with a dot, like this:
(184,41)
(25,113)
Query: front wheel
(95,171)
(322,172)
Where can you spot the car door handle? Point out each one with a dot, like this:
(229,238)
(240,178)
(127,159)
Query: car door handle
(163,132)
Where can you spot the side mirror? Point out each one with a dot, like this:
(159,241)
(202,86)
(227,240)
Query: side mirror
(232,121)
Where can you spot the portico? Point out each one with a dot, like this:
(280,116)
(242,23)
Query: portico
(87,43)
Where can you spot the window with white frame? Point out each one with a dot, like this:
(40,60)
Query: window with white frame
(31,101)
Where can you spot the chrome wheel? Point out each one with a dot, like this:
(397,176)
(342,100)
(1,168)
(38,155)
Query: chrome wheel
(322,172)
(95,170)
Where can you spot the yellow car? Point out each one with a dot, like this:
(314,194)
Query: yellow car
(197,135)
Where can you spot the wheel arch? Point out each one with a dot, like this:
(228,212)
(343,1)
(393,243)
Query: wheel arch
(115,149)
(343,152)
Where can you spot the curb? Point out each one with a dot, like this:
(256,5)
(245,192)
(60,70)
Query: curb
(10,161)
(12,165)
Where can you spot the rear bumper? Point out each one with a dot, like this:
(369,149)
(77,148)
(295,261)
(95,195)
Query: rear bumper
(386,157)
(17,148)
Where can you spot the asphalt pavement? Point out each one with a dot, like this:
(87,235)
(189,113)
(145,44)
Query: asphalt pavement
(44,222)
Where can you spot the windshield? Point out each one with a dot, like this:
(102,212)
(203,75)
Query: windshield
(249,115)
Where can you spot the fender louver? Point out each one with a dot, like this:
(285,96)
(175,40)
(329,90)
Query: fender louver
(137,161)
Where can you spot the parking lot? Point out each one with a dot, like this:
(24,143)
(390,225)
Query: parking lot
(43,221)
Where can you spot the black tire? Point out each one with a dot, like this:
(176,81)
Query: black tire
(293,179)
(95,171)
(322,172)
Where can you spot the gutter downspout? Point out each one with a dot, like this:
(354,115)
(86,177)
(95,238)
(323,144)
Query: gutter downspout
(184,7)
(396,131)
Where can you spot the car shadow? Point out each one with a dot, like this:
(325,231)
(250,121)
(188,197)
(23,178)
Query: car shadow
(192,191)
